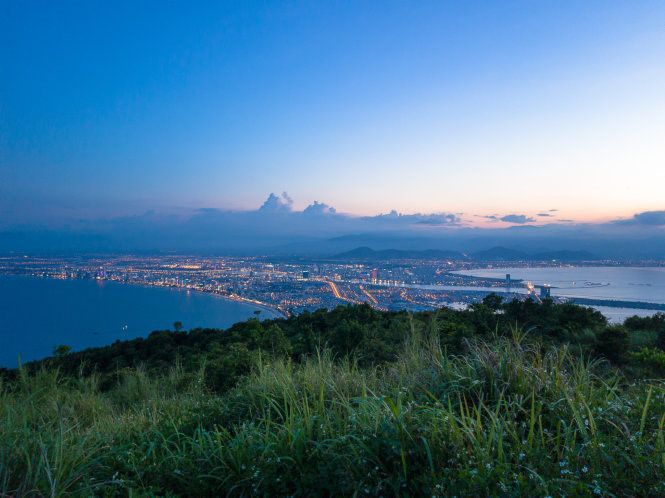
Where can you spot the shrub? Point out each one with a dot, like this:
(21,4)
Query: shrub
(613,343)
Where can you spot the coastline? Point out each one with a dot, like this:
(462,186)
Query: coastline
(256,304)
(84,314)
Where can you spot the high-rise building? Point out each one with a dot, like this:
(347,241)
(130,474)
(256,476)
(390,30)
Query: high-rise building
(544,291)
(375,274)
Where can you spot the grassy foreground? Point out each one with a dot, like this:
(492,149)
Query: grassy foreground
(504,416)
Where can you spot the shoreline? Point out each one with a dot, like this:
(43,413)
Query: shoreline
(249,302)
(255,304)
(276,313)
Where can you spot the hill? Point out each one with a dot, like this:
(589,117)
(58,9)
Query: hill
(497,253)
(500,253)
(365,253)
(566,255)
(351,401)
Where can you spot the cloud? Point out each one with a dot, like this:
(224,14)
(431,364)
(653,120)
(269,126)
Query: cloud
(544,214)
(320,229)
(647,218)
(287,200)
(516,218)
(319,208)
(391,214)
(439,220)
(276,204)
(393,218)
(553,210)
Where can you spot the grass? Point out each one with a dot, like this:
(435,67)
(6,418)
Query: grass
(507,417)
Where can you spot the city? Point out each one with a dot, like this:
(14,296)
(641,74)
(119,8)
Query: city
(291,286)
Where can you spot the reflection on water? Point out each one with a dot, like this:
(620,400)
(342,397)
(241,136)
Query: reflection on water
(618,315)
(616,283)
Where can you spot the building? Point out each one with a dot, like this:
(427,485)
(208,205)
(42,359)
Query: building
(544,291)
(375,274)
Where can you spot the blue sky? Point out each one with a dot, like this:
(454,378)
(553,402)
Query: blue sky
(473,108)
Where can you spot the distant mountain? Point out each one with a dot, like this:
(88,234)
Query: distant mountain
(366,253)
(500,254)
(497,253)
(564,256)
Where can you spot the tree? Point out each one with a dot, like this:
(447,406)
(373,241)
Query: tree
(613,342)
(493,301)
(277,341)
(61,350)
(177,326)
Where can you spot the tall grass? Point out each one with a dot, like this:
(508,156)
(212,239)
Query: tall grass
(507,417)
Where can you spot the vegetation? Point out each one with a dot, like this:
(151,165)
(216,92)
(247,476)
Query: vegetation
(517,398)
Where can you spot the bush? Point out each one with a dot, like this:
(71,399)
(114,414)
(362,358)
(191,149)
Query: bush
(613,343)
(650,361)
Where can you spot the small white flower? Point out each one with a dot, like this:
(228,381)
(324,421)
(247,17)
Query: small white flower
(584,469)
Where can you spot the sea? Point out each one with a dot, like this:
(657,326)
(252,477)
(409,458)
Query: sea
(37,314)
(616,283)
(645,284)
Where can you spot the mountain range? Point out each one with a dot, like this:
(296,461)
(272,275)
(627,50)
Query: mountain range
(497,253)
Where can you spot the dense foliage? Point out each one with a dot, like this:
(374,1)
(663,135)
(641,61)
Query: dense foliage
(505,398)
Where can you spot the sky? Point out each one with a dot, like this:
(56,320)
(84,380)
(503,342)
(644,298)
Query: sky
(495,114)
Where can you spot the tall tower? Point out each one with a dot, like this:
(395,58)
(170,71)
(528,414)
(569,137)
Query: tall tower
(375,274)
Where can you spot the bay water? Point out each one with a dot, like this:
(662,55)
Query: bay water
(39,313)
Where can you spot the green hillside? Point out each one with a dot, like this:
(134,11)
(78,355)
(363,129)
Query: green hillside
(516,398)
